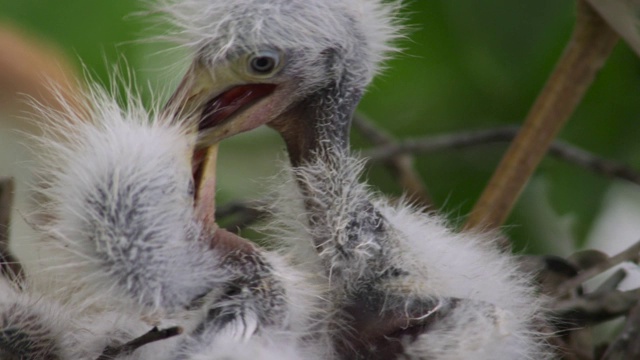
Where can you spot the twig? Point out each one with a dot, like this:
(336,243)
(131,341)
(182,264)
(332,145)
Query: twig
(630,254)
(244,213)
(595,308)
(153,335)
(590,45)
(594,163)
(626,344)
(234,208)
(612,283)
(400,165)
(459,140)
(9,265)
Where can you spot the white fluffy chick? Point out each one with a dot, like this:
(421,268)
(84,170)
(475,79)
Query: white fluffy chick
(406,285)
(119,240)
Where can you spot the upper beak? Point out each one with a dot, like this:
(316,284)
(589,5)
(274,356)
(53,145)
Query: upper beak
(220,104)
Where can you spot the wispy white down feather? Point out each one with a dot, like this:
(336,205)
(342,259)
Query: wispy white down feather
(34,326)
(362,31)
(362,239)
(119,239)
(118,206)
(29,328)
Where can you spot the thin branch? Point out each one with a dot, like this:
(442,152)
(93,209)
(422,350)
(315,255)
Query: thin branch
(595,308)
(9,265)
(242,213)
(153,335)
(234,208)
(460,140)
(626,344)
(632,253)
(370,131)
(612,283)
(594,163)
(586,52)
(457,140)
(400,165)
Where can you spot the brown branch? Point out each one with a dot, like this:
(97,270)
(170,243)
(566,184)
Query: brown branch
(590,45)
(242,213)
(612,283)
(457,140)
(9,265)
(594,163)
(626,344)
(464,139)
(595,308)
(155,334)
(632,253)
(400,165)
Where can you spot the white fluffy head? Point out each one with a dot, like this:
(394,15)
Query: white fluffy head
(357,34)
(117,204)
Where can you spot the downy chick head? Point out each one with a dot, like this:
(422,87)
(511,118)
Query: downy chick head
(262,61)
(117,205)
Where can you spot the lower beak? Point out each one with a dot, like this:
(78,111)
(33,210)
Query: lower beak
(215,109)
(204,167)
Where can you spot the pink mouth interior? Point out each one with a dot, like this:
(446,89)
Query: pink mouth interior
(226,104)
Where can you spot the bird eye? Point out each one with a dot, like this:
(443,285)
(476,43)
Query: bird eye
(264,62)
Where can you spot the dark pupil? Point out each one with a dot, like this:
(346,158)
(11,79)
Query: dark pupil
(263,64)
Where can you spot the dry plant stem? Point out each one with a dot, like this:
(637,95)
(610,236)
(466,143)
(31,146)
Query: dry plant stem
(6,204)
(596,164)
(238,207)
(153,335)
(630,254)
(400,165)
(595,308)
(612,283)
(626,344)
(247,217)
(9,265)
(242,213)
(457,140)
(590,45)
(460,140)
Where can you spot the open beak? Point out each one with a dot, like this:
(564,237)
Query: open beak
(218,106)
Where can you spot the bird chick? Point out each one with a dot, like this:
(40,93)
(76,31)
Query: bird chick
(28,327)
(121,239)
(119,205)
(407,285)
(36,326)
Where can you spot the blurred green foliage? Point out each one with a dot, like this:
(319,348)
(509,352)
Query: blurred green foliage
(466,64)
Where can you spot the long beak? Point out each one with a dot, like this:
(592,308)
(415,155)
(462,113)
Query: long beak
(218,105)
